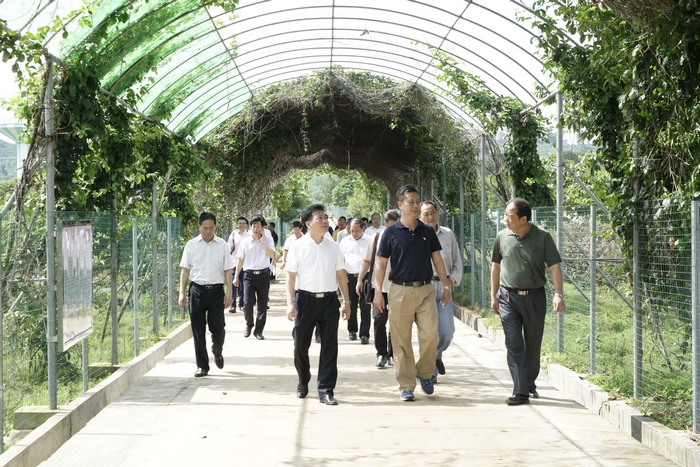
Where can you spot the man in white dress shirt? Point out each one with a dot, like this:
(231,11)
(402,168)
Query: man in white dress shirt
(353,248)
(238,234)
(254,254)
(295,235)
(315,271)
(375,226)
(207,263)
(453,265)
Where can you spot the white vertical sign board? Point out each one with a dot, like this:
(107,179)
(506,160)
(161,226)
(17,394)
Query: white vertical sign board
(74,282)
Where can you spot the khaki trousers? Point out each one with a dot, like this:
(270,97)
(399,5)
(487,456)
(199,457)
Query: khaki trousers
(406,306)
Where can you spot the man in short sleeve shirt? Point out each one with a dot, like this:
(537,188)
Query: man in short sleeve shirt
(410,245)
(520,253)
(207,263)
(315,270)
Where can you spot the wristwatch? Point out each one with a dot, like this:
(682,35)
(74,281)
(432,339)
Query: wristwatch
(557,294)
(346,302)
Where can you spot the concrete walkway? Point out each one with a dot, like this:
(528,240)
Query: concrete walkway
(248,413)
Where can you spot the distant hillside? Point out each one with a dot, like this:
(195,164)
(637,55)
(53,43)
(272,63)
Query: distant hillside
(8,161)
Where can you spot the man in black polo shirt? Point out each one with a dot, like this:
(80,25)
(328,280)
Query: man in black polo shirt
(520,253)
(410,245)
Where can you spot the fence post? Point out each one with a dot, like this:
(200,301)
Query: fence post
(113,274)
(135,289)
(637,288)
(461,225)
(170,272)
(560,204)
(472,264)
(695,291)
(484,261)
(593,258)
(51,337)
(154,255)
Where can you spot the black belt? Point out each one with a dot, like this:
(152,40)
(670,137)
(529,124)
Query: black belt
(524,291)
(435,278)
(412,284)
(254,271)
(207,287)
(353,275)
(317,294)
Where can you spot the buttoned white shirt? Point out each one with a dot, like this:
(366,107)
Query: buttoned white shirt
(235,238)
(253,254)
(353,252)
(341,235)
(206,261)
(288,242)
(315,264)
(450,254)
(371,230)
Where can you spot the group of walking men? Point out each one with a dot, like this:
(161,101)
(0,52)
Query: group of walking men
(416,262)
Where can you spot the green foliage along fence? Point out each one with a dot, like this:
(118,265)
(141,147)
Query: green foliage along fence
(23,279)
(605,350)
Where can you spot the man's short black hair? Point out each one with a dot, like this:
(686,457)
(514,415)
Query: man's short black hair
(271,224)
(522,208)
(359,222)
(207,216)
(392,215)
(342,217)
(242,218)
(297,224)
(401,192)
(373,214)
(260,219)
(309,211)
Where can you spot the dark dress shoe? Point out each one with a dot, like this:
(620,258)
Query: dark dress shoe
(364,340)
(328,399)
(352,336)
(246,333)
(219,360)
(260,337)
(302,391)
(518,399)
(534,393)
(200,372)
(440,366)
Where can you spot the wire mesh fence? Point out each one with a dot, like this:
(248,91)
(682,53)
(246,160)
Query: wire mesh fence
(596,334)
(130,309)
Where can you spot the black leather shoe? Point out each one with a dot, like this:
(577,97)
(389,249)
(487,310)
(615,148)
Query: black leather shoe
(302,391)
(440,366)
(246,333)
(364,340)
(259,336)
(232,309)
(352,336)
(200,372)
(518,399)
(219,360)
(328,400)
(534,394)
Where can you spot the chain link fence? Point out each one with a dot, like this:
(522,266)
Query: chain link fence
(127,284)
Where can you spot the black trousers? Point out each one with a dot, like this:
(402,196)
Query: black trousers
(365,309)
(382,339)
(256,290)
(325,312)
(206,306)
(523,325)
(237,290)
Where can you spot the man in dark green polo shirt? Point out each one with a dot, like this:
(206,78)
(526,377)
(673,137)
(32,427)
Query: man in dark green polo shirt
(520,253)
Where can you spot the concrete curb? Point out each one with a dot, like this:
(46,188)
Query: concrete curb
(42,442)
(672,444)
